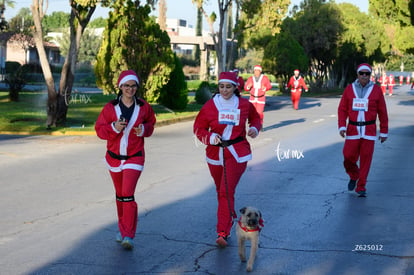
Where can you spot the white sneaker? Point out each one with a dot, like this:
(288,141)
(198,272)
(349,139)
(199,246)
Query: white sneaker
(127,243)
(118,237)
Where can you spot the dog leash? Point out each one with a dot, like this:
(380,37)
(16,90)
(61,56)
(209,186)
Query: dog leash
(227,189)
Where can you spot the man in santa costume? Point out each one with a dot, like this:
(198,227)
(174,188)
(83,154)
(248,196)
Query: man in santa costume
(384,82)
(258,84)
(391,84)
(361,103)
(124,123)
(408,80)
(240,80)
(221,125)
(401,77)
(296,82)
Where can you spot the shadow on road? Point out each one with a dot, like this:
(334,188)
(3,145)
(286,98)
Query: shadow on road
(312,223)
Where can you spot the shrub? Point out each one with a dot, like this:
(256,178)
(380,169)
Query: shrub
(203,93)
(16,81)
(174,95)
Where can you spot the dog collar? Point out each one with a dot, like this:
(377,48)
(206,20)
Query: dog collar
(258,227)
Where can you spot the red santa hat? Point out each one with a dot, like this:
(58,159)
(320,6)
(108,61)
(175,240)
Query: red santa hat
(228,77)
(257,67)
(296,71)
(364,66)
(126,76)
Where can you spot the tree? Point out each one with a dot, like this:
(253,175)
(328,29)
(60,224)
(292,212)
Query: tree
(57,21)
(3,22)
(174,95)
(22,21)
(38,12)
(317,29)
(282,55)
(162,16)
(89,45)
(133,40)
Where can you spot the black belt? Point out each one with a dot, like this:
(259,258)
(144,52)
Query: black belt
(227,143)
(257,96)
(361,123)
(122,157)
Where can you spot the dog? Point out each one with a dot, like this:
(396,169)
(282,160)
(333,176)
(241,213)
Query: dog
(248,228)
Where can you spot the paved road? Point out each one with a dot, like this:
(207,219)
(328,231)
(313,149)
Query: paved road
(58,208)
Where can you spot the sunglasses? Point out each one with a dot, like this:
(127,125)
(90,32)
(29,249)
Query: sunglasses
(364,73)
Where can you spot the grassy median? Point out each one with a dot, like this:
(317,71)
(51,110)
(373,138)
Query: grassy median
(28,115)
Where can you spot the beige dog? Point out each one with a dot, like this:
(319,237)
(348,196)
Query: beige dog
(248,228)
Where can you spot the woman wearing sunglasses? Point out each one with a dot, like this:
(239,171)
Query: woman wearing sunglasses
(124,123)
(361,103)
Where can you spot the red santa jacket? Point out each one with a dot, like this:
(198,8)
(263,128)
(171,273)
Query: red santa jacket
(383,80)
(258,88)
(391,80)
(351,107)
(240,82)
(297,84)
(125,143)
(207,124)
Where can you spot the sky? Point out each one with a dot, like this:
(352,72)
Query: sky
(180,9)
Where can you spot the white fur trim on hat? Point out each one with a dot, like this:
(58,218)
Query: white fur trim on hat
(128,78)
(227,80)
(257,67)
(364,67)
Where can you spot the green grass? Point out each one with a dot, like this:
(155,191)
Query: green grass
(28,115)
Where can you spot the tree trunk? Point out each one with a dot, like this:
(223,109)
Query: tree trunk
(37,12)
(67,77)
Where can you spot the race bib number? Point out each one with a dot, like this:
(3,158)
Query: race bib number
(229,116)
(360,104)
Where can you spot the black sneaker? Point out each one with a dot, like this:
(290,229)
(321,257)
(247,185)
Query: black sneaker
(351,185)
(362,194)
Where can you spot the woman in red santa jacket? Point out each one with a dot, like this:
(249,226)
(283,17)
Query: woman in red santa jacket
(258,84)
(124,123)
(221,125)
(361,103)
(296,82)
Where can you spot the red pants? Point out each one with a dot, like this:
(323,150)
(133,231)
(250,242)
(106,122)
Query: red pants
(234,171)
(295,99)
(260,109)
(384,89)
(363,150)
(125,183)
(390,88)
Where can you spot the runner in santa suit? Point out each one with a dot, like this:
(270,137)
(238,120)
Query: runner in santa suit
(240,80)
(408,80)
(401,79)
(373,78)
(258,84)
(221,125)
(297,83)
(124,123)
(391,84)
(384,82)
(361,103)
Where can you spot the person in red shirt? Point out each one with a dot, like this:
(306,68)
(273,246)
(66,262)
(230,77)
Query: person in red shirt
(401,77)
(221,125)
(384,82)
(361,103)
(240,80)
(296,82)
(258,84)
(124,123)
(391,84)
(408,80)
